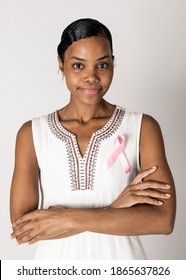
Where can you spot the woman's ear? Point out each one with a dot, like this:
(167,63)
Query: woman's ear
(60,65)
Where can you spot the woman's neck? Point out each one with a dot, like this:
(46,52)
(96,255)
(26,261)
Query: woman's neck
(84,112)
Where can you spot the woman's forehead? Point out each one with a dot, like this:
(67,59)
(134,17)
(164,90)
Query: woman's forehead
(97,46)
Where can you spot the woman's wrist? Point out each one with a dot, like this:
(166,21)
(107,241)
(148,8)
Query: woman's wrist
(73,218)
(85,219)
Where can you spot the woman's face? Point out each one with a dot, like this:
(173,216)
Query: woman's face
(88,69)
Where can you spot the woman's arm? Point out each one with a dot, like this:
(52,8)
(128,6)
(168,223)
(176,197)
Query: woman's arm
(152,152)
(144,215)
(24,196)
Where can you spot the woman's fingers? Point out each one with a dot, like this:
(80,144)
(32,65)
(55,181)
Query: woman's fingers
(144,197)
(27,234)
(136,199)
(39,225)
(139,192)
(25,237)
(29,237)
(24,219)
(147,193)
(139,178)
(149,185)
(152,194)
(19,230)
(146,200)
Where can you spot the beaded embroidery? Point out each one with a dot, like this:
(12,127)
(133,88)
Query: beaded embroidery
(82,169)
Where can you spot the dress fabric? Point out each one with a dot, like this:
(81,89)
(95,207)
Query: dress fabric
(71,180)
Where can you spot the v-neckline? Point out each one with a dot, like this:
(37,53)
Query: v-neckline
(82,169)
(91,140)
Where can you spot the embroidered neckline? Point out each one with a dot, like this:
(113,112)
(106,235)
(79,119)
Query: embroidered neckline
(82,168)
(97,132)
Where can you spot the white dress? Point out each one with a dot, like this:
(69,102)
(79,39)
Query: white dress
(73,181)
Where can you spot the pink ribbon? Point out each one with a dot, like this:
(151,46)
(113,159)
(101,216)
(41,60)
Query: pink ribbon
(119,145)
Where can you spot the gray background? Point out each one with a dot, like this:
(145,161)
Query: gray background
(149,46)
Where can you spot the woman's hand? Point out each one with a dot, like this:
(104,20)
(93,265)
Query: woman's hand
(41,225)
(139,192)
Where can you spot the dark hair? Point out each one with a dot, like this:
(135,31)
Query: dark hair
(81,29)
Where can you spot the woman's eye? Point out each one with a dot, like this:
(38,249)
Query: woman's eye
(103,66)
(78,66)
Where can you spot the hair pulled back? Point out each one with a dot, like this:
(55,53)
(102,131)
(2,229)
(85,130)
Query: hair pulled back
(81,29)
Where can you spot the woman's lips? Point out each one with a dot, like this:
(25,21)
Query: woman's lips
(91,91)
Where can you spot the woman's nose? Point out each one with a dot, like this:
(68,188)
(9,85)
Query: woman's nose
(91,77)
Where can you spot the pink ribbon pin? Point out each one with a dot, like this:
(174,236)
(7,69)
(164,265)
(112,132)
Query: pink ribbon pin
(119,145)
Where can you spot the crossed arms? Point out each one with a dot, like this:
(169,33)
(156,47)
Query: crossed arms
(146,205)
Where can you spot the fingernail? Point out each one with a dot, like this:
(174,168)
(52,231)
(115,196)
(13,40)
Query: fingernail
(168,195)
(26,243)
(154,167)
(160,202)
(167,186)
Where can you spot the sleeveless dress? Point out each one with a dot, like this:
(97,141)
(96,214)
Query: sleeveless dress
(71,180)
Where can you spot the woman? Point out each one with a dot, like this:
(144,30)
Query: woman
(102,169)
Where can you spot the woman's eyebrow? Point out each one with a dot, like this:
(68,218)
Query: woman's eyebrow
(77,58)
(82,59)
(103,57)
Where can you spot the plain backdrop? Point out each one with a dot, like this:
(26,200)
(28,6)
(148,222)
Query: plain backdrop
(150,77)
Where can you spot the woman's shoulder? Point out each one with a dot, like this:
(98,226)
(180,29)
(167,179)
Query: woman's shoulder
(24,140)
(150,123)
(25,130)
(151,131)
